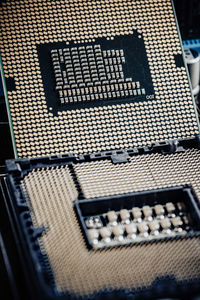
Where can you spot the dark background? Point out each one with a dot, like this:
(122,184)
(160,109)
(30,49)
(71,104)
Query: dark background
(188,14)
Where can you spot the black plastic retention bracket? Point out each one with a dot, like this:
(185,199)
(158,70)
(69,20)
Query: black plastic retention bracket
(167,147)
(120,158)
(19,166)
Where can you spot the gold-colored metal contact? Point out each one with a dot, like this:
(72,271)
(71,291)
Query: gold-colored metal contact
(168,115)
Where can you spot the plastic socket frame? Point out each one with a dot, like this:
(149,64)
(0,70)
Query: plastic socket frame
(140,217)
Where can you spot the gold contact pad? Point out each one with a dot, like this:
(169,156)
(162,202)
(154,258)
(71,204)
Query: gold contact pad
(50,193)
(37,131)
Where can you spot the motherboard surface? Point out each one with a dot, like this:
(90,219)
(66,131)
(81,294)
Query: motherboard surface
(87,76)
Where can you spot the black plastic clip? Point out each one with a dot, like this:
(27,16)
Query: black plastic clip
(38,232)
(120,158)
(13,167)
(174,147)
